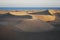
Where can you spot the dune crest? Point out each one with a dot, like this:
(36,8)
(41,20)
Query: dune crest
(54,11)
(18,13)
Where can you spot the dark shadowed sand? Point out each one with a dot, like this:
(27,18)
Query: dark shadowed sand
(41,13)
(27,29)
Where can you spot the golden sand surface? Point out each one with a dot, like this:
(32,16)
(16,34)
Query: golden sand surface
(51,17)
(44,17)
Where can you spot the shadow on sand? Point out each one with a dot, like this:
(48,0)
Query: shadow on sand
(41,13)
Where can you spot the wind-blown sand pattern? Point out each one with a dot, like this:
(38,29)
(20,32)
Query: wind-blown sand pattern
(14,26)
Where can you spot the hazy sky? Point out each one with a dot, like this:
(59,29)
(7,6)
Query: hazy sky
(29,3)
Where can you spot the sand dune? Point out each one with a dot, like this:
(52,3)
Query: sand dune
(26,29)
(18,13)
(44,15)
(54,11)
(30,25)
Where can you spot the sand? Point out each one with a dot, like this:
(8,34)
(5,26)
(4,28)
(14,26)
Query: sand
(27,29)
(43,15)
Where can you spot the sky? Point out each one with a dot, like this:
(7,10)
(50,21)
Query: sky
(29,3)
